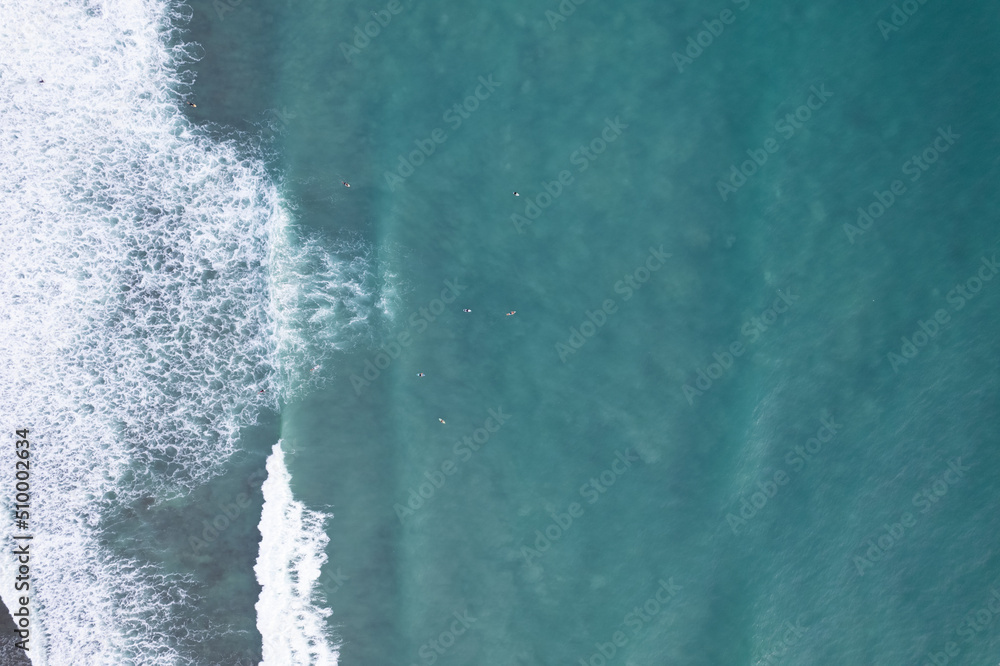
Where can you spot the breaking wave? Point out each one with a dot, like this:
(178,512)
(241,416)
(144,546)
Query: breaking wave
(291,622)
(153,285)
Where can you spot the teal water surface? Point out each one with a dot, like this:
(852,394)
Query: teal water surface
(701,437)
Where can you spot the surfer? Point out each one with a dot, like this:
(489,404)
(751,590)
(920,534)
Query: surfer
(466,310)
(345,183)
(512,312)
(192,104)
(420,374)
(441,420)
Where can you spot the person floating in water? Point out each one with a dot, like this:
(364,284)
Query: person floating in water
(466,310)
(512,312)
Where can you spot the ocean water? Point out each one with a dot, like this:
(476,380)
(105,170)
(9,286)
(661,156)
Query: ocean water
(645,333)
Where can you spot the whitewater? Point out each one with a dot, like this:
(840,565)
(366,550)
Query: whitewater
(291,556)
(153,284)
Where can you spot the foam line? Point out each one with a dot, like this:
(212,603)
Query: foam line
(293,541)
(152,285)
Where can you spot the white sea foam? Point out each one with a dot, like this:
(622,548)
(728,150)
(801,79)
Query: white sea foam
(139,319)
(323,301)
(289,617)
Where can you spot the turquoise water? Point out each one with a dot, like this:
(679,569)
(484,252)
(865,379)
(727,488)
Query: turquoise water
(731,420)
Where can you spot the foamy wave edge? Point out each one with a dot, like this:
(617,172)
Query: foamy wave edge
(293,541)
(141,313)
